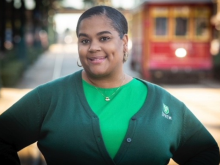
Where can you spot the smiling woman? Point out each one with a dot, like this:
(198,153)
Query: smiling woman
(101,49)
(100,115)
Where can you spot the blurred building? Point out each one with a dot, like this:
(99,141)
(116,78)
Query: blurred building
(103,2)
(26,29)
(215,44)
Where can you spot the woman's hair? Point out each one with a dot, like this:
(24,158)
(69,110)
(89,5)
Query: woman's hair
(118,21)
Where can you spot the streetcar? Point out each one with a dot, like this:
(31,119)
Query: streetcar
(172,37)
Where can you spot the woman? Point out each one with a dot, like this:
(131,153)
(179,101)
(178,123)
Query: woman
(100,115)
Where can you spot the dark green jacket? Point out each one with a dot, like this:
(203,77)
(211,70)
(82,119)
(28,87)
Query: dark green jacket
(58,116)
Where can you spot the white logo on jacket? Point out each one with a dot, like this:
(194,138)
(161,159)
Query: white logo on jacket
(165,112)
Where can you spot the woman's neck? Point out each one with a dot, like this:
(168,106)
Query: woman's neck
(106,81)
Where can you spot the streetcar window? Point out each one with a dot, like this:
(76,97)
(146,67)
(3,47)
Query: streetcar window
(181,21)
(201,27)
(161,26)
(160,16)
(181,26)
(201,23)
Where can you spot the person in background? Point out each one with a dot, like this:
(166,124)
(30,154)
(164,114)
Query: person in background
(100,115)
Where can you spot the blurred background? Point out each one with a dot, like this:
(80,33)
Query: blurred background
(173,43)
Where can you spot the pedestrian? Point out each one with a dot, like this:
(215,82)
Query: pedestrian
(100,115)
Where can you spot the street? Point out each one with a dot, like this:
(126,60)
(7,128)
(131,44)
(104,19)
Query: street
(203,99)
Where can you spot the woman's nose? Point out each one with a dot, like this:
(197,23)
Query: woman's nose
(94,46)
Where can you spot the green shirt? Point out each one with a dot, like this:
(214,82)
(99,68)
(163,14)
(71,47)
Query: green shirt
(114,115)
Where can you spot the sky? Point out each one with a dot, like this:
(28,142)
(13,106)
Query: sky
(61,19)
(116,3)
(127,4)
(64,21)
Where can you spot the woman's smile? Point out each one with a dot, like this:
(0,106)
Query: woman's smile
(97,60)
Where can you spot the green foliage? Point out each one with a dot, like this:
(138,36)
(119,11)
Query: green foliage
(11,73)
(89,1)
(12,68)
(216,60)
(33,54)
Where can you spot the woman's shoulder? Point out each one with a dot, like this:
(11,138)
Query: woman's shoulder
(151,86)
(61,84)
(157,93)
(65,80)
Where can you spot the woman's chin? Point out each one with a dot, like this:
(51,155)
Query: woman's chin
(98,73)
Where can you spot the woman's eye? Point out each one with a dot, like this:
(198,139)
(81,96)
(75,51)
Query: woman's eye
(85,41)
(105,38)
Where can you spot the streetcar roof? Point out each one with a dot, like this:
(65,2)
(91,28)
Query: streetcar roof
(139,3)
(177,1)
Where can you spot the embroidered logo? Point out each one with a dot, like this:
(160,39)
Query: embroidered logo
(165,112)
(165,109)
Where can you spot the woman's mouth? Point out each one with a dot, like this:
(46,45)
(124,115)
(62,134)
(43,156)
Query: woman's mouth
(97,59)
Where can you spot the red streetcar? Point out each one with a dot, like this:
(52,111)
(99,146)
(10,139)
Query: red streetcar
(172,37)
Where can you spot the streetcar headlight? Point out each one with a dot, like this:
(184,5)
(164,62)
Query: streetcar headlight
(180,52)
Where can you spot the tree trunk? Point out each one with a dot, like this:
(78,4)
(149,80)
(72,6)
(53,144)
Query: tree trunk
(2,25)
(22,55)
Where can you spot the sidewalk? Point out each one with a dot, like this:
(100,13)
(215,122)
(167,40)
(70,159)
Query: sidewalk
(9,96)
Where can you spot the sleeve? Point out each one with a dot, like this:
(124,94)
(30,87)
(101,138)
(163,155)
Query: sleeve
(197,147)
(19,127)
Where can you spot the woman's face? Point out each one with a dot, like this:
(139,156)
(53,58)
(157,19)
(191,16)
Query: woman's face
(100,47)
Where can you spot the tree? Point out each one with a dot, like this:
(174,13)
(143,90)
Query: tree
(88,3)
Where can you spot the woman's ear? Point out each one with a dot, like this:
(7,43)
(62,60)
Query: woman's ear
(125,43)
